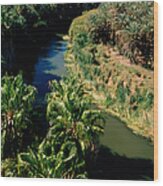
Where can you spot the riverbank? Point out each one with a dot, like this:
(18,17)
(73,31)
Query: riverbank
(123,89)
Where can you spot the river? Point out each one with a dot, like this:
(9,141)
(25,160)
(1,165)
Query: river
(123,155)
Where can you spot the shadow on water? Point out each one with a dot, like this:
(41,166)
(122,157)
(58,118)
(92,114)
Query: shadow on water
(122,141)
(40,63)
(110,165)
(29,58)
(122,155)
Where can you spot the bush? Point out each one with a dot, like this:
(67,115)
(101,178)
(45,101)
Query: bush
(17,101)
(74,131)
(127,25)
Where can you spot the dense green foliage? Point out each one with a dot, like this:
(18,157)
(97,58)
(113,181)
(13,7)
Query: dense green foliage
(74,127)
(71,105)
(17,100)
(128,26)
(74,130)
(21,16)
(28,24)
(95,82)
(25,17)
(73,134)
(98,39)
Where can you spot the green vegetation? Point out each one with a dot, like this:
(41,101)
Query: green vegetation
(109,62)
(23,16)
(73,134)
(128,26)
(17,100)
(26,17)
(74,130)
(32,22)
(103,45)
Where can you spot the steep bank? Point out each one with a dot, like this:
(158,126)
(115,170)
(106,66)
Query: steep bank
(119,86)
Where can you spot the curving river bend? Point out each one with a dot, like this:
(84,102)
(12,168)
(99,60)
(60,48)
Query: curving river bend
(123,155)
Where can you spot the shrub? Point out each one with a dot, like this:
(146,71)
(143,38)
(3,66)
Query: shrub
(74,131)
(17,101)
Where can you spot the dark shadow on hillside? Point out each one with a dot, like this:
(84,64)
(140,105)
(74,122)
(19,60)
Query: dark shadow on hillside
(111,166)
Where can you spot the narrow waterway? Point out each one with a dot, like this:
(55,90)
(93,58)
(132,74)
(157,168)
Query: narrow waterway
(50,65)
(122,152)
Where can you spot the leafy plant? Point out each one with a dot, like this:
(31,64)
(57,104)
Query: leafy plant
(108,101)
(71,104)
(74,131)
(121,93)
(143,100)
(9,167)
(112,20)
(17,101)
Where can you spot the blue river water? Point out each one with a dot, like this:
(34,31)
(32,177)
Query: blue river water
(49,66)
(124,153)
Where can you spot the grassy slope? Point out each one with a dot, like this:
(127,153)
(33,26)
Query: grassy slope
(114,70)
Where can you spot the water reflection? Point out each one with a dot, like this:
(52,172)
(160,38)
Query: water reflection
(40,63)
(50,66)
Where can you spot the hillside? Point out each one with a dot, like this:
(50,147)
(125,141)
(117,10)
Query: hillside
(121,78)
